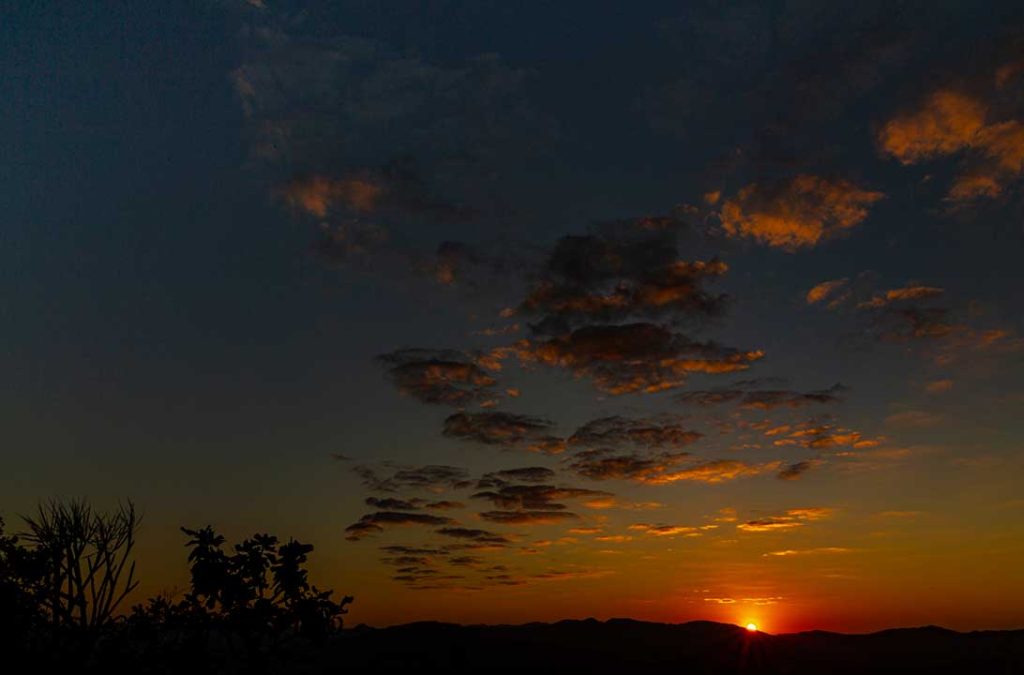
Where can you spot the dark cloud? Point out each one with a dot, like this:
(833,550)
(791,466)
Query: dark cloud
(637,357)
(444,505)
(496,428)
(621,272)
(527,517)
(706,397)
(535,497)
(616,431)
(604,464)
(388,503)
(528,474)
(430,478)
(361,101)
(438,376)
(374,523)
(475,535)
(768,400)
(914,323)
(765,399)
(400,550)
(796,470)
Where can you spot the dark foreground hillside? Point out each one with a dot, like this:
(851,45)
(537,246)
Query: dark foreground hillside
(625,646)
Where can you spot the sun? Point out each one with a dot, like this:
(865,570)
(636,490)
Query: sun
(752,627)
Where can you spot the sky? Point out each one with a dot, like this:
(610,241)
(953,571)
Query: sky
(531,311)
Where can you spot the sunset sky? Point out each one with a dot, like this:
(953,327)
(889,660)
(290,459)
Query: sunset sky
(531,311)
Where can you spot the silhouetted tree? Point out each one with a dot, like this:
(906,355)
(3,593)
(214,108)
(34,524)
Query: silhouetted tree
(261,587)
(86,561)
(22,573)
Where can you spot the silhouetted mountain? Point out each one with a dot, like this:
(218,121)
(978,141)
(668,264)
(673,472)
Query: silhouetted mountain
(627,646)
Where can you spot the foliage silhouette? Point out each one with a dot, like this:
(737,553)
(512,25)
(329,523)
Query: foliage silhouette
(247,608)
(86,562)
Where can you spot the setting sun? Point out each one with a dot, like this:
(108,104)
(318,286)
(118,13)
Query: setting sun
(752,627)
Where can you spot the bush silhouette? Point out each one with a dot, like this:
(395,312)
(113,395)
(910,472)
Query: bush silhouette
(262,586)
(63,580)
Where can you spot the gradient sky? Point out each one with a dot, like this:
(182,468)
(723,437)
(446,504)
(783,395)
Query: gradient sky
(662,310)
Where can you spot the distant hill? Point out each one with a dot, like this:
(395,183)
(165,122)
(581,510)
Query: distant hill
(625,646)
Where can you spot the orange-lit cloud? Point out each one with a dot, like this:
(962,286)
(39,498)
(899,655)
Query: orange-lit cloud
(791,519)
(939,386)
(799,213)
(665,530)
(916,292)
(824,550)
(713,471)
(317,195)
(825,290)
(946,122)
(949,123)
(913,419)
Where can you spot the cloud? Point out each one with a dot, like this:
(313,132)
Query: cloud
(638,357)
(317,195)
(769,400)
(320,104)
(475,535)
(713,471)
(816,435)
(374,523)
(914,292)
(939,386)
(769,525)
(824,290)
(797,469)
(622,271)
(527,517)
(604,464)
(791,519)
(340,243)
(917,419)
(430,478)
(825,550)
(666,530)
(707,397)
(950,122)
(799,213)
(444,505)
(811,513)
(766,399)
(946,122)
(616,431)
(393,504)
(536,497)
(528,474)
(915,323)
(438,376)
(496,428)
